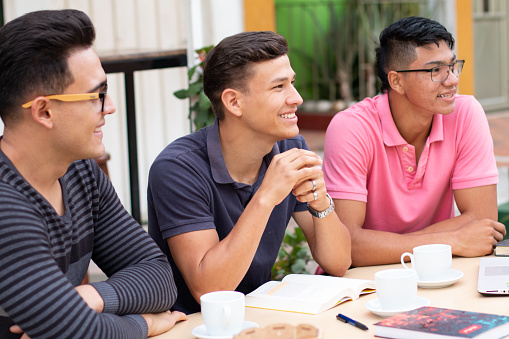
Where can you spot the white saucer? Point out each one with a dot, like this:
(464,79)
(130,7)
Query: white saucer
(375,307)
(451,277)
(201,331)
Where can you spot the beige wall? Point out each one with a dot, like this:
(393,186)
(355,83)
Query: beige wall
(148,25)
(127,25)
(491,53)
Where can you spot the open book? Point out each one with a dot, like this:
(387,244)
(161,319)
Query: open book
(306,293)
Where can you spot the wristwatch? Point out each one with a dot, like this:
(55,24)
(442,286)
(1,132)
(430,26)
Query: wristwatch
(323,213)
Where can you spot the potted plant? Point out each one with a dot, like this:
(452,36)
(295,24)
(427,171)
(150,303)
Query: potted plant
(293,256)
(200,111)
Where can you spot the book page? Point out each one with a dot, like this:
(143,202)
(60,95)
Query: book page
(356,285)
(283,289)
(291,290)
(303,293)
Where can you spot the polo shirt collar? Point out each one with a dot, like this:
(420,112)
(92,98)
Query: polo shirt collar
(391,135)
(215,153)
(437,129)
(218,167)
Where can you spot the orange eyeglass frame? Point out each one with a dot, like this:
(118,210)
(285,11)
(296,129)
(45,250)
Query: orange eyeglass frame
(73,97)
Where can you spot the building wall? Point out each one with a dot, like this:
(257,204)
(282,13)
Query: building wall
(127,25)
(491,52)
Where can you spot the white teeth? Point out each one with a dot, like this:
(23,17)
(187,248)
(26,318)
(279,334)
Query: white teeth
(97,130)
(288,116)
(445,95)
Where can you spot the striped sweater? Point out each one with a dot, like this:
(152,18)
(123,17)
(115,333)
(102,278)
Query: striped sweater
(44,255)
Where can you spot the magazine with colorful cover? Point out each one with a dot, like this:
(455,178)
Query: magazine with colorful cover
(433,322)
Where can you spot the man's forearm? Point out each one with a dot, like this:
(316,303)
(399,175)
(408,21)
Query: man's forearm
(450,225)
(331,247)
(224,266)
(90,295)
(371,247)
(473,238)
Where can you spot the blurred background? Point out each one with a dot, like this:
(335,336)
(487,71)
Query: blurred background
(331,49)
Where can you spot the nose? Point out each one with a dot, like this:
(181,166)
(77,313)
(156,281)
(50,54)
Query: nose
(452,79)
(109,105)
(294,98)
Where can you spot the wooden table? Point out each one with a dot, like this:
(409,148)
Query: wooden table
(462,295)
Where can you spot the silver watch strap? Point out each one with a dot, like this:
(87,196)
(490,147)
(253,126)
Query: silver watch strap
(323,213)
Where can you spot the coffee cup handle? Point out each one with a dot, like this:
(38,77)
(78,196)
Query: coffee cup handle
(411,260)
(227,316)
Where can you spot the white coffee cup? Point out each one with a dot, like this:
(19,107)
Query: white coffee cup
(223,312)
(396,288)
(431,262)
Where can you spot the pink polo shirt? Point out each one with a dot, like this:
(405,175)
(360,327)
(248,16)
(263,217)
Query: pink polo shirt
(366,159)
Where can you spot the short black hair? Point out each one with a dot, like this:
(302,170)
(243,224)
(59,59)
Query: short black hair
(228,65)
(33,55)
(399,40)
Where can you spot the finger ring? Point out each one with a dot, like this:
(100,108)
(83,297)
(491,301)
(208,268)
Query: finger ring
(314,185)
(315,195)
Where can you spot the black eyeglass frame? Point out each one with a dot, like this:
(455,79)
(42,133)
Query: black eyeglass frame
(430,70)
(102,97)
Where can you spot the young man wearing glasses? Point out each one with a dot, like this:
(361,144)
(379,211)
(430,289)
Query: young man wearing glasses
(394,164)
(57,211)
(220,199)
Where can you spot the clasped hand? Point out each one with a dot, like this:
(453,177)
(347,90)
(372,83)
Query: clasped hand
(295,171)
(478,237)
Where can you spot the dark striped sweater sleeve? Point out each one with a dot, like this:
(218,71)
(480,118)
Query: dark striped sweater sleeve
(35,291)
(140,277)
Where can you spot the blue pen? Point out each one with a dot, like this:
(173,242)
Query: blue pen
(352,322)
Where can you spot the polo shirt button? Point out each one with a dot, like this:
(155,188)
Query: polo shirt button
(410,169)
(405,149)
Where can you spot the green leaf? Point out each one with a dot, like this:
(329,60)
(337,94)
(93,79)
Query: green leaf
(299,234)
(191,72)
(202,117)
(182,94)
(202,114)
(282,253)
(299,266)
(204,101)
(205,49)
(302,253)
(195,88)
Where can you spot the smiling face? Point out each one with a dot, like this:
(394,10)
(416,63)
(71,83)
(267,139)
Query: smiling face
(78,124)
(270,101)
(425,97)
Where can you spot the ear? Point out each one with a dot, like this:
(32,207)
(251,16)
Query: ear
(396,81)
(41,112)
(232,100)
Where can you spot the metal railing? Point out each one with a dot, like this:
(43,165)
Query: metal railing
(2,19)
(128,64)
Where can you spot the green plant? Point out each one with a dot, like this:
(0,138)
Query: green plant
(332,43)
(198,101)
(293,255)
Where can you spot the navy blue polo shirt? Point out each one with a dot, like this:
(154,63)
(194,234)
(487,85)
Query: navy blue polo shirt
(190,189)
